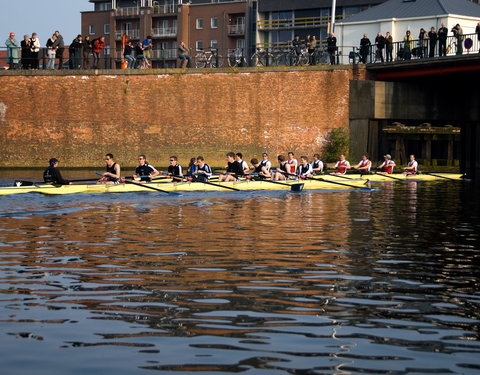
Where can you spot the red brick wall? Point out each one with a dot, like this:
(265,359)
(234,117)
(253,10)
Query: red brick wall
(79,118)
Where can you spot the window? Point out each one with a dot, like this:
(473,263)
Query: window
(214,22)
(199,45)
(106,29)
(106,51)
(213,44)
(199,23)
(240,43)
(91,29)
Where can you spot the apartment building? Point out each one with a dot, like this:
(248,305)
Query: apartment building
(201,24)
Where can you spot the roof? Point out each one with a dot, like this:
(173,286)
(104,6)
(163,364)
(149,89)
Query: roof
(416,8)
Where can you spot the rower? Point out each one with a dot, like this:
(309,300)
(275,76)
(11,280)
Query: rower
(388,165)
(282,167)
(112,174)
(364,165)
(144,170)
(304,169)
(317,164)
(52,174)
(234,169)
(203,172)
(412,166)
(265,163)
(292,163)
(259,169)
(175,170)
(342,165)
(243,164)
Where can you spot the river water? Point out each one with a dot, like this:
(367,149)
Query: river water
(381,282)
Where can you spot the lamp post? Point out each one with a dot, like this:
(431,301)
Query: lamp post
(334,6)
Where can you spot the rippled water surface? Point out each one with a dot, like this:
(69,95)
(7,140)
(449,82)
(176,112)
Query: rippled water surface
(382,282)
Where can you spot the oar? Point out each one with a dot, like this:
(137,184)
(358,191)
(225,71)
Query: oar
(217,185)
(293,187)
(341,176)
(32,183)
(387,175)
(437,175)
(151,187)
(330,182)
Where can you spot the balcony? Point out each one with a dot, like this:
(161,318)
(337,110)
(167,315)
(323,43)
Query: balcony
(163,54)
(165,9)
(164,32)
(236,29)
(296,23)
(127,12)
(132,34)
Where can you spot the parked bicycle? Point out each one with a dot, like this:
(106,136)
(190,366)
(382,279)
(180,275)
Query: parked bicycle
(261,58)
(208,59)
(236,58)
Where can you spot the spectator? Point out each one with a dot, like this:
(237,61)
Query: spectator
(365,45)
(380,43)
(312,46)
(458,34)
(59,46)
(77,48)
(477,30)
(185,59)
(442,40)
(12,51)
(51,52)
(97,47)
(34,50)
(432,36)
(389,46)
(140,58)
(422,43)
(128,55)
(86,51)
(25,45)
(332,47)
(297,45)
(407,45)
(147,46)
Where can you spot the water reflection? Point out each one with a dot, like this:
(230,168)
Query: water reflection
(330,283)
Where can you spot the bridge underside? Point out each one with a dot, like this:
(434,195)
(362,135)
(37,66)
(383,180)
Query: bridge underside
(439,93)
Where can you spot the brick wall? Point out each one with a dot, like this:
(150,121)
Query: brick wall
(80,118)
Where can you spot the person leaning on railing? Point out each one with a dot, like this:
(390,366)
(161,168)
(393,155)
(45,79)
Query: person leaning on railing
(312,46)
(12,51)
(86,51)
(407,45)
(458,34)
(389,46)
(442,40)
(365,46)
(25,46)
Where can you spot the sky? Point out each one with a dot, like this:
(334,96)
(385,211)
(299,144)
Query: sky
(43,17)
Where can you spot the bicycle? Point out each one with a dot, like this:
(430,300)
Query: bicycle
(300,59)
(236,58)
(261,58)
(208,59)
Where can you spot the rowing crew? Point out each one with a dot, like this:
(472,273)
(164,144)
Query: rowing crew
(199,171)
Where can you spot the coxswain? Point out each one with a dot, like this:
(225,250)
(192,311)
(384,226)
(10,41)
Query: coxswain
(52,174)
(388,165)
(304,170)
(144,170)
(203,171)
(364,165)
(175,170)
(292,163)
(412,166)
(192,167)
(243,164)
(281,172)
(342,165)
(317,164)
(112,174)
(234,169)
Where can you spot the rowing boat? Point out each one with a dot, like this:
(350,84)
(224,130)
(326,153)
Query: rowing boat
(380,177)
(181,187)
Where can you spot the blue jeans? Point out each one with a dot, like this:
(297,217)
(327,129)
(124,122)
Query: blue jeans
(130,60)
(182,60)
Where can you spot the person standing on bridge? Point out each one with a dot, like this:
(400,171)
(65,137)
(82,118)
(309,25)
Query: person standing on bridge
(380,43)
(407,45)
(477,30)
(458,34)
(365,45)
(432,36)
(442,40)
(332,47)
(389,46)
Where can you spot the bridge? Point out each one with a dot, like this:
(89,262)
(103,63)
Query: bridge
(428,93)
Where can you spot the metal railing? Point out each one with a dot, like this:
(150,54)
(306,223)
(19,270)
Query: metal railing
(301,22)
(164,32)
(238,29)
(123,12)
(416,49)
(165,9)
(132,34)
